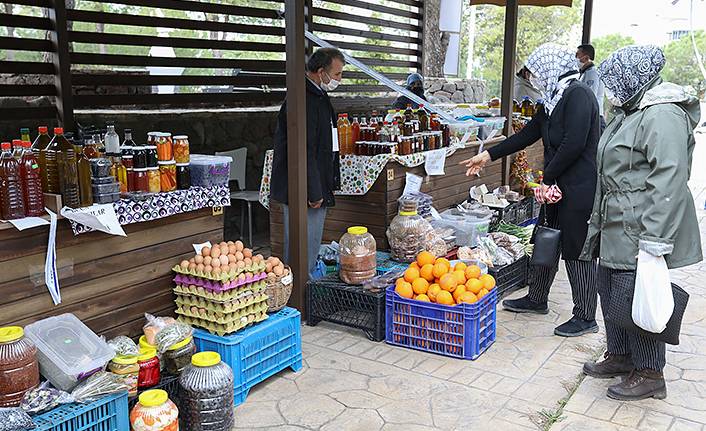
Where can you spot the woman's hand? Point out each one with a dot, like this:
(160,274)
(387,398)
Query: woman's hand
(476,163)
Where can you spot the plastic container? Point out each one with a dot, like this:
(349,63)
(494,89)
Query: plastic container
(11,200)
(357,255)
(461,331)
(178,357)
(407,232)
(259,351)
(31,182)
(207,394)
(127,367)
(112,187)
(512,277)
(19,369)
(149,368)
(209,171)
(108,413)
(154,412)
(469,226)
(67,350)
(106,198)
(100,167)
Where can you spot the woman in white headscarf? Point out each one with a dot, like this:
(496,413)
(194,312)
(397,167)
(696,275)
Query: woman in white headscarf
(569,129)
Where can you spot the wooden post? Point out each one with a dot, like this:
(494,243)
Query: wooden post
(587,17)
(308,25)
(62,64)
(509,46)
(296,149)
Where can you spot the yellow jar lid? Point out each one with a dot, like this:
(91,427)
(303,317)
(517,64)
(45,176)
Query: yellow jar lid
(181,344)
(357,230)
(11,333)
(408,213)
(125,360)
(205,359)
(153,398)
(145,345)
(147,354)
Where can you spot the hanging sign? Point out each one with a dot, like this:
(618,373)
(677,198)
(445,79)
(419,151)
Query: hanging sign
(51,278)
(435,160)
(99,217)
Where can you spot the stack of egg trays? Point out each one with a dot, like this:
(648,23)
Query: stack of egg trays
(224,278)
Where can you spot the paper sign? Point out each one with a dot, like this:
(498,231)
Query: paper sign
(98,217)
(435,160)
(51,278)
(413,183)
(28,222)
(198,247)
(287,279)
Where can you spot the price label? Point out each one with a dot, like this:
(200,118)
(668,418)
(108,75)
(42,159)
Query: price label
(287,279)
(217,211)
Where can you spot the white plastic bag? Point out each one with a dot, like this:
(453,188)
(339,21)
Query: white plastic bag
(653,302)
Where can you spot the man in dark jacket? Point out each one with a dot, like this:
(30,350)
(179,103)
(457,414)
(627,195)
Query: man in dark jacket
(589,76)
(324,73)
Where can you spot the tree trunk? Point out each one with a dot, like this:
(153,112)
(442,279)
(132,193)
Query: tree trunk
(435,41)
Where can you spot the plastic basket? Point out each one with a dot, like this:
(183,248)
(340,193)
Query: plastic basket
(462,331)
(329,299)
(511,277)
(258,352)
(516,213)
(167,383)
(109,413)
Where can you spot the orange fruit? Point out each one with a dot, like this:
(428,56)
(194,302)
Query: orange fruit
(433,290)
(482,293)
(420,286)
(425,258)
(469,298)
(414,265)
(474,285)
(460,266)
(460,277)
(405,290)
(488,281)
(398,281)
(439,269)
(445,298)
(411,274)
(458,292)
(427,272)
(445,262)
(473,271)
(448,283)
(422,298)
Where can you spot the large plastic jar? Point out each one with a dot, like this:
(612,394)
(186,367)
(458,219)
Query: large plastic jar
(206,398)
(178,357)
(19,369)
(127,367)
(148,375)
(357,255)
(154,412)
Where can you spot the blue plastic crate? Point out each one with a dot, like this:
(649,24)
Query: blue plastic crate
(259,351)
(108,413)
(461,331)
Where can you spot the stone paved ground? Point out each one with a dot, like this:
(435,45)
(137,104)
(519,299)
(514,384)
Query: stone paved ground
(521,383)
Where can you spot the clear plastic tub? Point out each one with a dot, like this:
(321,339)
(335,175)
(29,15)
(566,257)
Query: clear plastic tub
(357,255)
(207,393)
(68,350)
(468,227)
(209,171)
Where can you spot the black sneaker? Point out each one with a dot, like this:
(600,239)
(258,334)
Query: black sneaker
(525,305)
(576,327)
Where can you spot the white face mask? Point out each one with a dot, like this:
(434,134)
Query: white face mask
(330,85)
(536,83)
(612,98)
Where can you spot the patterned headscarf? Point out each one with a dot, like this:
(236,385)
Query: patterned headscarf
(547,63)
(629,69)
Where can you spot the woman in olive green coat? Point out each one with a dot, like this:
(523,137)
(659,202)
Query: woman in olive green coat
(643,205)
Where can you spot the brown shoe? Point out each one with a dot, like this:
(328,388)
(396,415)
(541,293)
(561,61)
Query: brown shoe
(640,385)
(611,366)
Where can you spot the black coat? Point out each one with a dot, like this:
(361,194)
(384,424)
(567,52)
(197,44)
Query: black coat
(323,172)
(570,136)
(402,101)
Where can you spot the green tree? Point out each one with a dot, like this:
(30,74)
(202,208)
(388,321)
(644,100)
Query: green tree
(681,67)
(606,45)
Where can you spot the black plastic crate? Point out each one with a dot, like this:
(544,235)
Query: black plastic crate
(511,277)
(516,213)
(331,300)
(167,383)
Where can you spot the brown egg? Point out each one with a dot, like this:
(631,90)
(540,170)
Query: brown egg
(242,276)
(232,266)
(258,258)
(275,261)
(192,266)
(222,243)
(224,249)
(239,256)
(215,252)
(224,259)
(216,263)
(247,261)
(193,259)
(268,267)
(194,309)
(239,246)
(184,264)
(216,271)
(198,259)
(229,243)
(278,270)
(231,258)
(200,267)
(240,264)
(207,260)
(206,251)
(207,269)
(247,252)
(231,249)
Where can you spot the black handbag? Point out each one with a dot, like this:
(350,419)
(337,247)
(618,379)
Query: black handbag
(620,309)
(547,243)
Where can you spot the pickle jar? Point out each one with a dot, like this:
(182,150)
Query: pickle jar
(357,255)
(154,181)
(140,181)
(181,149)
(152,138)
(164,147)
(129,369)
(167,176)
(178,357)
(154,411)
(183,176)
(19,370)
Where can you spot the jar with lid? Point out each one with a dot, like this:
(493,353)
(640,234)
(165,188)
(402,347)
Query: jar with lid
(206,398)
(129,369)
(178,357)
(152,157)
(408,232)
(446,134)
(407,129)
(181,149)
(432,140)
(154,411)
(167,176)
(154,180)
(164,147)
(359,148)
(183,176)
(141,181)
(148,375)
(405,146)
(19,370)
(139,160)
(357,255)
(152,138)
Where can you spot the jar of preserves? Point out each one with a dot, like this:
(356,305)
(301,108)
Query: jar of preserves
(183,176)
(19,370)
(139,157)
(167,176)
(405,146)
(151,154)
(357,255)
(446,134)
(130,172)
(432,141)
(140,180)
(164,147)
(148,375)
(407,129)
(152,138)
(154,180)
(181,149)
(129,369)
(207,393)
(154,411)
(178,357)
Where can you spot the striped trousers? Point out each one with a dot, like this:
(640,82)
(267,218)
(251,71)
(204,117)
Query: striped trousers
(646,353)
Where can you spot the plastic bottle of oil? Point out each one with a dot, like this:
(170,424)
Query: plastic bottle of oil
(11,200)
(62,170)
(84,178)
(31,182)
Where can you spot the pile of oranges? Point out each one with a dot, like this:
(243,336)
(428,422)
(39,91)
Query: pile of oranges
(430,279)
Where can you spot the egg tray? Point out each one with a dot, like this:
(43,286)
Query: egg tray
(226,296)
(221,318)
(220,308)
(223,329)
(223,277)
(219,286)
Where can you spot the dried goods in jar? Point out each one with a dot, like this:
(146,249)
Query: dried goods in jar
(357,255)
(206,400)
(19,370)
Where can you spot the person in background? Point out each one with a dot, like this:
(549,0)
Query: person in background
(324,71)
(568,126)
(415,84)
(585,54)
(643,208)
(523,86)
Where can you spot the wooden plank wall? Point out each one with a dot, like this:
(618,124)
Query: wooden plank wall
(108,282)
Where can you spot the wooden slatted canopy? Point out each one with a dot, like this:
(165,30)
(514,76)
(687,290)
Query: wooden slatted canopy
(524,2)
